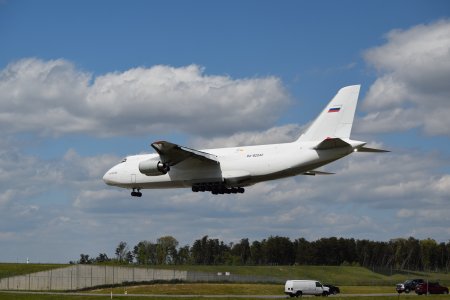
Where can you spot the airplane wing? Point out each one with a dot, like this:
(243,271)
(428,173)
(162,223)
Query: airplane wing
(173,154)
(315,172)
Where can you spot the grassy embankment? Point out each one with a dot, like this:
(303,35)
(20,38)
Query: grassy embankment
(352,280)
(339,275)
(228,289)
(14,269)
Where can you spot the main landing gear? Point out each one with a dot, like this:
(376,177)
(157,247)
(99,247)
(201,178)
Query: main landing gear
(136,194)
(216,188)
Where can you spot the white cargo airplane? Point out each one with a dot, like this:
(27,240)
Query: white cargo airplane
(228,170)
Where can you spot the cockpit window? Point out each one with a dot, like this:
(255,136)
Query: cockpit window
(124,160)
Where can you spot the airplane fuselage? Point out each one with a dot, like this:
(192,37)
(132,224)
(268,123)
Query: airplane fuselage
(238,166)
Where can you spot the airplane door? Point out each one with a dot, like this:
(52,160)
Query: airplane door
(133,178)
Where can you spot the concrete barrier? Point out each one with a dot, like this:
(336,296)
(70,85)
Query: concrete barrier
(85,276)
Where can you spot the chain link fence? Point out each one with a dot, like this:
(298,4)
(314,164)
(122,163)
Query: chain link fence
(228,277)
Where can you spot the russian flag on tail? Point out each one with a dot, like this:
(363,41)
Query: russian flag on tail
(334,109)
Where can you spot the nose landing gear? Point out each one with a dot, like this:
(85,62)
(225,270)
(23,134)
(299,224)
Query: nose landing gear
(136,194)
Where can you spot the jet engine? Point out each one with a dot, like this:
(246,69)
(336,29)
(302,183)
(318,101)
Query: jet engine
(152,167)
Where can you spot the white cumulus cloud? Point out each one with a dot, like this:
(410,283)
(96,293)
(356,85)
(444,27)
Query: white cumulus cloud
(279,134)
(412,89)
(55,98)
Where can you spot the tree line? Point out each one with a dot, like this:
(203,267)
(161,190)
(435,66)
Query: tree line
(401,254)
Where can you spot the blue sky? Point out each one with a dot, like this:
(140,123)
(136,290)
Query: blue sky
(84,83)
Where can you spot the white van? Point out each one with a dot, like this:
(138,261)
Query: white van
(305,287)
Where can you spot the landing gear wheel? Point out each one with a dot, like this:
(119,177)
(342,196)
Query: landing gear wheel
(136,194)
(216,188)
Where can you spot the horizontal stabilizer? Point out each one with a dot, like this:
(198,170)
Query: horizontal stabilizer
(331,143)
(314,173)
(365,149)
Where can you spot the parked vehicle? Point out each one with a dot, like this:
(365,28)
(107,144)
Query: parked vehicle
(408,285)
(299,288)
(431,288)
(333,290)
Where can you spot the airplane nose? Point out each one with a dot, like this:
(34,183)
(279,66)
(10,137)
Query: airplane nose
(108,178)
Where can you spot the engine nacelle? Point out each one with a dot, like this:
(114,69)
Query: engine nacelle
(152,167)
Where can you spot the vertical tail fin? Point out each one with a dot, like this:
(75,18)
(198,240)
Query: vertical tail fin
(336,119)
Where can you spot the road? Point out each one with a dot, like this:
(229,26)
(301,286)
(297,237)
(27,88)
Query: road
(192,296)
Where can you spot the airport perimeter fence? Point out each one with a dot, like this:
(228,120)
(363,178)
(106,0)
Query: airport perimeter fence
(193,276)
(79,277)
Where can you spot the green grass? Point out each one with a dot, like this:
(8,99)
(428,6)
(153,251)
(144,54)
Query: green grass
(230,289)
(6,296)
(370,289)
(14,269)
(199,289)
(339,275)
